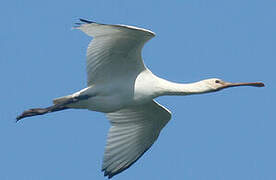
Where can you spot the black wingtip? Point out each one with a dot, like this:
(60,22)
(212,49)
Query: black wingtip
(108,174)
(86,21)
(82,21)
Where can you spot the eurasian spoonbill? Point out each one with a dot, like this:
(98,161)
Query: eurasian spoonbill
(122,87)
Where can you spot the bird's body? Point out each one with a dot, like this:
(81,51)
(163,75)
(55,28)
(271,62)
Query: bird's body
(120,85)
(129,92)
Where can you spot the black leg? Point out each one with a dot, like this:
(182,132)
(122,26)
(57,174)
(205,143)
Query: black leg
(56,107)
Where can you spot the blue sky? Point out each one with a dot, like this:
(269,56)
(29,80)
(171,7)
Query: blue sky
(221,136)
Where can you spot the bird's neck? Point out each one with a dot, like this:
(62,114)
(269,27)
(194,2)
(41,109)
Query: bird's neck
(172,88)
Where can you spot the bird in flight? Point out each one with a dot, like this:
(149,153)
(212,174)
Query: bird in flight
(122,87)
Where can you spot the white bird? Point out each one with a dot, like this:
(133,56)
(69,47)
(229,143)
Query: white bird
(122,87)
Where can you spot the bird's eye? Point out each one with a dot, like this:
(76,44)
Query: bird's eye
(217,81)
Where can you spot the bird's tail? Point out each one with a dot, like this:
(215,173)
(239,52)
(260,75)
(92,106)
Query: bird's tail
(41,111)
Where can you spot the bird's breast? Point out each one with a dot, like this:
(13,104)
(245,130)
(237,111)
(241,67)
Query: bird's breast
(146,87)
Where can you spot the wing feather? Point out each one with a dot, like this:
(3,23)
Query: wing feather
(132,133)
(114,51)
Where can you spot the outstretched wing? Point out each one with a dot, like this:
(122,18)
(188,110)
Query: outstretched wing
(115,50)
(132,133)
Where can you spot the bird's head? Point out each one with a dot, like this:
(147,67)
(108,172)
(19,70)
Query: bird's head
(216,84)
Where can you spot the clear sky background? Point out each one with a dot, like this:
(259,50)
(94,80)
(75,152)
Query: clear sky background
(221,136)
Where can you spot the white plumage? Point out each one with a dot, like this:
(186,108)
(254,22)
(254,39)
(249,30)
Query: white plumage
(114,61)
(120,85)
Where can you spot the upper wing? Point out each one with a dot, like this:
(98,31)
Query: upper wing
(132,133)
(115,50)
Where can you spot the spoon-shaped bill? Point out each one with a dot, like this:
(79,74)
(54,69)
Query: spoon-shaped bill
(254,84)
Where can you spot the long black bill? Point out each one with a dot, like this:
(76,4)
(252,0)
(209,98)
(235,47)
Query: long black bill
(254,84)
